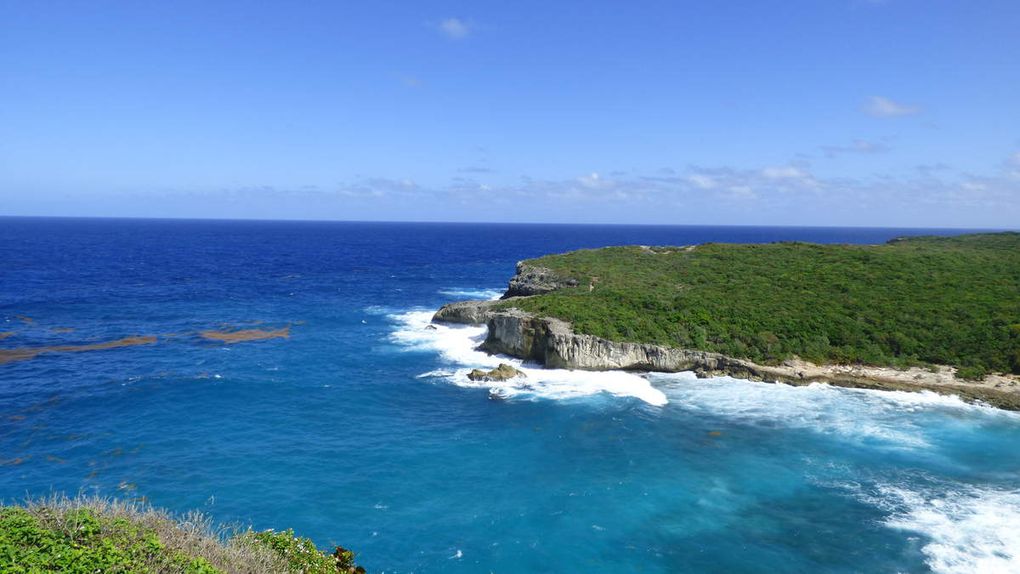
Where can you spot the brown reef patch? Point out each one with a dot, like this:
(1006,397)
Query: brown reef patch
(6,334)
(63,329)
(241,335)
(26,353)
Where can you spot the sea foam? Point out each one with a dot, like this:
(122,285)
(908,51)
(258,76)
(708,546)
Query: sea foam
(468,293)
(967,529)
(456,345)
(885,419)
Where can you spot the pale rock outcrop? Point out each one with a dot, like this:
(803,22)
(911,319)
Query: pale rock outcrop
(530,280)
(466,312)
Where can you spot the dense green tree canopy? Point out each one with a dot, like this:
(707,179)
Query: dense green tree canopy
(923,300)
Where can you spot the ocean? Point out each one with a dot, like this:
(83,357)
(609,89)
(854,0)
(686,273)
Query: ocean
(360,427)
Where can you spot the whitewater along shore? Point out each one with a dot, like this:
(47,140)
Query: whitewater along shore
(553,343)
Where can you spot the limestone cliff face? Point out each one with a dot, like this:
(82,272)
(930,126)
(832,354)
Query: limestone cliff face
(532,280)
(552,343)
(465,312)
(515,333)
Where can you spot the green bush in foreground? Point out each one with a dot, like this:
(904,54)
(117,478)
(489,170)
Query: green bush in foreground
(924,300)
(301,553)
(94,535)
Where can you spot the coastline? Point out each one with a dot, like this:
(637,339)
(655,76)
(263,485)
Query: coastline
(553,343)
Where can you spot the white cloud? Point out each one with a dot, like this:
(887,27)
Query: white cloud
(1013,165)
(782,187)
(857,147)
(378,187)
(880,107)
(932,169)
(476,169)
(593,181)
(741,192)
(787,172)
(702,181)
(790,177)
(789,193)
(454,28)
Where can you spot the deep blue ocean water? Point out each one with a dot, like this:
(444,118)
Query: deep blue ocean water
(360,428)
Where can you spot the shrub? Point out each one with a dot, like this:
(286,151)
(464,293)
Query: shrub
(86,535)
(300,554)
(924,300)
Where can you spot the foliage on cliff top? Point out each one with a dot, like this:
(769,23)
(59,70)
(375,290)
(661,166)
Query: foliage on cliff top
(88,535)
(934,300)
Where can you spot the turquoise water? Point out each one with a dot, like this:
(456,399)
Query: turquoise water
(362,429)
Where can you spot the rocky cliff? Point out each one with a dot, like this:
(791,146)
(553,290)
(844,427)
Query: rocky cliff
(552,342)
(532,280)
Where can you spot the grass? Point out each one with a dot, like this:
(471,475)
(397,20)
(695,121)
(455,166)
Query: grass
(918,301)
(97,535)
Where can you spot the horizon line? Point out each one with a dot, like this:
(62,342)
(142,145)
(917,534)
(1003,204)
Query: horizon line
(507,223)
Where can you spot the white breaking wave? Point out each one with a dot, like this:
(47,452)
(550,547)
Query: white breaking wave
(969,529)
(472,293)
(456,344)
(875,418)
(965,529)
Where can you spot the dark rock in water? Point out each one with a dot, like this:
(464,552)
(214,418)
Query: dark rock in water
(501,373)
(430,327)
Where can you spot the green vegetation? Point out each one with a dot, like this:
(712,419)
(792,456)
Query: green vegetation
(926,300)
(92,535)
(301,553)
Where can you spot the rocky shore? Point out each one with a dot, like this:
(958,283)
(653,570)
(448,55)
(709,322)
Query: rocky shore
(553,343)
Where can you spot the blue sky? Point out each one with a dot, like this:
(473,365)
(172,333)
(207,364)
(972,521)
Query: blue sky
(810,112)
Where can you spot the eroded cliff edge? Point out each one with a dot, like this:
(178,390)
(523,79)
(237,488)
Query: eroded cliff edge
(552,342)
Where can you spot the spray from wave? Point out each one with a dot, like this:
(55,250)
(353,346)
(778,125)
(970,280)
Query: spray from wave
(870,418)
(967,529)
(456,344)
(468,293)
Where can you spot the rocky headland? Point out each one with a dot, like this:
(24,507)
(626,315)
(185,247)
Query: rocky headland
(553,343)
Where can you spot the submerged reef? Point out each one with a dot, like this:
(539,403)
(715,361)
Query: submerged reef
(226,336)
(25,353)
(246,335)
